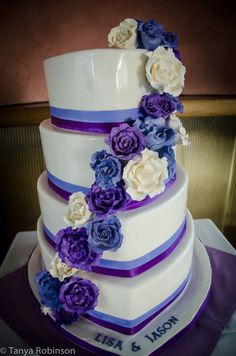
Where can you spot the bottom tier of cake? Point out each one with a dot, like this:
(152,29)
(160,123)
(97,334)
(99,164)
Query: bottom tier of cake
(128,304)
(166,326)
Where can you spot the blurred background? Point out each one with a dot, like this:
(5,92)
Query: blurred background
(31,31)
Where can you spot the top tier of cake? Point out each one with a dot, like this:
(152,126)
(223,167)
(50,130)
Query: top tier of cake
(96,80)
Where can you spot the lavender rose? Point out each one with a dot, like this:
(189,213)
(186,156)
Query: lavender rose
(74,250)
(157,105)
(105,234)
(169,40)
(48,288)
(169,153)
(63,317)
(78,295)
(108,169)
(107,201)
(125,142)
(149,35)
(156,135)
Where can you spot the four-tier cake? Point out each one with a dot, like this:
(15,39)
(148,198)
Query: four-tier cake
(116,241)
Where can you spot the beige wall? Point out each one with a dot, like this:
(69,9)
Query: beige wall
(33,30)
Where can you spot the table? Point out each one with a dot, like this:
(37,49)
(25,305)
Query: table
(24,243)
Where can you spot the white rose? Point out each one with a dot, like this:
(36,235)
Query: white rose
(181,136)
(124,35)
(165,72)
(60,269)
(145,175)
(78,212)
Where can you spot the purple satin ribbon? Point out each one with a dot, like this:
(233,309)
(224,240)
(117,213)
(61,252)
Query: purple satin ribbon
(92,127)
(98,121)
(132,272)
(133,204)
(136,328)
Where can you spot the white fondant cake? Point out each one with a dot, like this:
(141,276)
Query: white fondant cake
(115,235)
(68,153)
(76,80)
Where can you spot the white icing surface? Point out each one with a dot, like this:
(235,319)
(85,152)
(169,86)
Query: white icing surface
(129,298)
(144,229)
(68,154)
(97,79)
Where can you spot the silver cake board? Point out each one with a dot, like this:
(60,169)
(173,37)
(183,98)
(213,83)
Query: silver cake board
(177,317)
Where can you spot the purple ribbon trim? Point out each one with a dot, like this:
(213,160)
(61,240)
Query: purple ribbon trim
(132,272)
(140,269)
(133,204)
(92,121)
(176,337)
(93,127)
(63,193)
(136,328)
(172,341)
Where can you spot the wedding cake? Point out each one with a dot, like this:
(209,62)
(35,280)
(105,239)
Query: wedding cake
(116,239)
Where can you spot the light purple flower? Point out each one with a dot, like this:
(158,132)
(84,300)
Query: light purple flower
(125,142)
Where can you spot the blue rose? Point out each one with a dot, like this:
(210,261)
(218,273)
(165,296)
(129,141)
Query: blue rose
(169,40)
(48,288)
(149,35)
(146,125)
(176,101)
(156,135)
(108,169)
(169,153)
(105,234)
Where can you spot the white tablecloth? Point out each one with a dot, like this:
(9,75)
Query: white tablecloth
(24,243)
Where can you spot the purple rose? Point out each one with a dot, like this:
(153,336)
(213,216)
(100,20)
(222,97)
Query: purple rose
(169,153)
(63,317)
(156,135)
(149,35)
(48,288)
(169,40)
(73,248)
(108,169)
(125,142)
(157,105)
(105,234)
(78,295)
(107,201)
